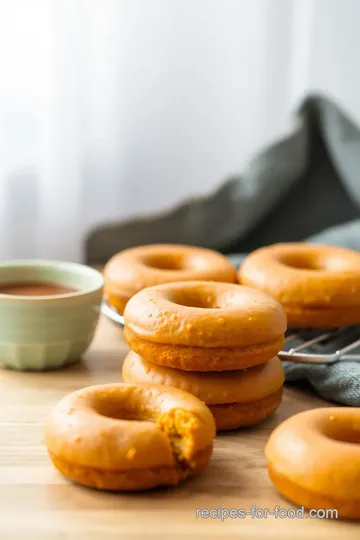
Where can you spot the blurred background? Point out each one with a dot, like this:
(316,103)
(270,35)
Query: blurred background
(111,109)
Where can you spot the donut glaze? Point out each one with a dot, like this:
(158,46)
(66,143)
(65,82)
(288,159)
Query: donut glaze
(318,286)
(236,398)
(129,437)
(314,459)
(204,326)
(144,266)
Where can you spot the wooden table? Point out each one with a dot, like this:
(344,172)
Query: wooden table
(36,502)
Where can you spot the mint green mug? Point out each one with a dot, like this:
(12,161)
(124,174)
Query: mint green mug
(47,332)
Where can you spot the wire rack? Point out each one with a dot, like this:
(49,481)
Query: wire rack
(310,346)
(324,346)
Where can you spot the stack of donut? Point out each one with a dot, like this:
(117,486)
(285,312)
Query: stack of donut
(218,341)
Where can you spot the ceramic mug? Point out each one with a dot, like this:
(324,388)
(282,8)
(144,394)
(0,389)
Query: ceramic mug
(47,332)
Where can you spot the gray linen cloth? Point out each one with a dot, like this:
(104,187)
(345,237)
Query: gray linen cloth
(306,182)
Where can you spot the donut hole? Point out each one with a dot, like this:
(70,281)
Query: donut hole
(113,407)
(164,262)
(338,430)
(175,262)
(300,261)
(195,298)
(208,297)
(171,261)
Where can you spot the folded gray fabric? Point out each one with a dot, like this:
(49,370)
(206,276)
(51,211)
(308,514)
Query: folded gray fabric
(295,188)
(303,184)
(338,382)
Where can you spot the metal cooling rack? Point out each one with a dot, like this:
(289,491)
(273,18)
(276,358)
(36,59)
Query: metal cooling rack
(309,346)
(324,346)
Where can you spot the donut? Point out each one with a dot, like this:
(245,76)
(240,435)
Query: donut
(318,286)
(313,459)
(129,437)
(235,398)
(204,326)
(144,266)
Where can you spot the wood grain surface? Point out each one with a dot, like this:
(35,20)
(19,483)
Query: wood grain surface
(36,502)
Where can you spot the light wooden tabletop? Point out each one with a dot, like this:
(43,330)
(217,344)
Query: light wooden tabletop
(36,502)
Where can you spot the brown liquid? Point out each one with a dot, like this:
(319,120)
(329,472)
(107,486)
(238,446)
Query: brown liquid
(35,288)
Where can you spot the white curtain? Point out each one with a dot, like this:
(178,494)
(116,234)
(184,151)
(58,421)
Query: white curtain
(112,108)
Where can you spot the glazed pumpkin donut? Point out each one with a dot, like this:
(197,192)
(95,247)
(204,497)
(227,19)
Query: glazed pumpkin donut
(314,459)
(318,286)
(236,398)
(127,437)
(204,326)
(136,268)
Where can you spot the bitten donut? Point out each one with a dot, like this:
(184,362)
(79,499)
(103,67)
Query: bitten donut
(318,286)
(314,459)
(236,398)
(136,268)
(127,437)
(204,326)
